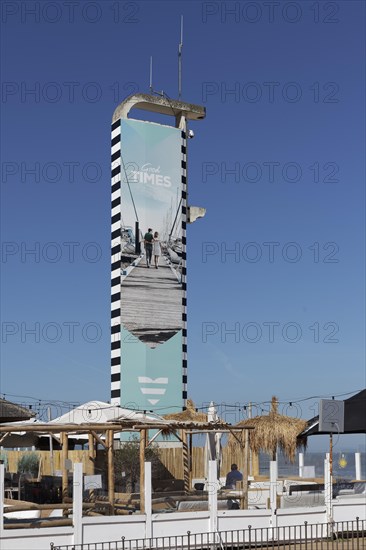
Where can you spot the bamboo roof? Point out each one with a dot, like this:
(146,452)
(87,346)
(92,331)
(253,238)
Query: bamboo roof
(99,417)
(117,426)
(49,427)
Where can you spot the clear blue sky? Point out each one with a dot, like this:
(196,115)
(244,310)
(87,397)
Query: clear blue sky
(284,89)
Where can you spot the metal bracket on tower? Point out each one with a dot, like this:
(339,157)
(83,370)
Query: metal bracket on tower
(195,212)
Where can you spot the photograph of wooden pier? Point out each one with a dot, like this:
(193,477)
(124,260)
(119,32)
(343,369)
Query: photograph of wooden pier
(152,302)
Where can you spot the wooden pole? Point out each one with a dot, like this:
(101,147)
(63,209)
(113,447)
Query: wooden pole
(51,445)
(142,470)
(92,453)
(274,410)
(186,468)
(245,470)
(190,459)
(98,439)
(64,457)
(250,469)
(109,437)
(92,456)
(255,463)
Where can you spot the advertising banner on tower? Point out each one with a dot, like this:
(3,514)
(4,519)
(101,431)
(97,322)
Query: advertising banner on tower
(151,265)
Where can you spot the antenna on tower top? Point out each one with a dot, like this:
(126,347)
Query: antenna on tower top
(180,47)
(151,74)
(152,91)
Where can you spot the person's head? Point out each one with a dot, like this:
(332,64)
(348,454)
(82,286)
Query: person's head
(149,230)
(234,466)
(156,234)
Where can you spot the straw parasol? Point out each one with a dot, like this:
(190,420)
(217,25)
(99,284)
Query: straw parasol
(11,412)
(274,431)
(190,414)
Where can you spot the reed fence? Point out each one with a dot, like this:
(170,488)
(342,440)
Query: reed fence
(170,458)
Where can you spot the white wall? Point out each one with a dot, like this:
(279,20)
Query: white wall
(31,539)
(347,509)
(100,529)
(113,528)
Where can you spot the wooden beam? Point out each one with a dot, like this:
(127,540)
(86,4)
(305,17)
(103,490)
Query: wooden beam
(92,452)
(244,500)
(190,459)
(4,436)
(185,461)
(92,455)
(195,427)
(99,439)
(230,430)
(64,457)
(50,428)
(157,435)
(57,439)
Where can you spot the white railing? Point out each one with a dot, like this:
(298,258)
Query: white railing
(329,536)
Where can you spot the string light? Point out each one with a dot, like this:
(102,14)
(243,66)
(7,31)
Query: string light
(264,406)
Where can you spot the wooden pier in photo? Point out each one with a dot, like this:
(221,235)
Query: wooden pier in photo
(151,303)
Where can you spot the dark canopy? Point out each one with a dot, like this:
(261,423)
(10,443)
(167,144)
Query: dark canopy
(354,417)
(11,412)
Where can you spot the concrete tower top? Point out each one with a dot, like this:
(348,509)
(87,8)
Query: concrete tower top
(159,104)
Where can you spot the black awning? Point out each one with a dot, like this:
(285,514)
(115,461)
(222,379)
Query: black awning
(354,417)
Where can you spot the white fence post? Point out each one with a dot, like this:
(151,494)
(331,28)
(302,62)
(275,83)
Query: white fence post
(358,466)
(212,495)
(77,504)
(273,480)
(2,490)
(148,503)
(301,464)
(328,489)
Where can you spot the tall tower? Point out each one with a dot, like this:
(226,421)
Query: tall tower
(148,299)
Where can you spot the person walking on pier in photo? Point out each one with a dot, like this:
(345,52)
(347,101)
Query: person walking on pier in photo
(156,249)
(148,243)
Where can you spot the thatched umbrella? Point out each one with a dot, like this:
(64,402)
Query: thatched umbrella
(189,414)
(274,431)
(11,412)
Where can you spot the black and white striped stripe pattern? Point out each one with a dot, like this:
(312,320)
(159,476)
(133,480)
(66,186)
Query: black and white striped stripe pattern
(116,264)
(184,267)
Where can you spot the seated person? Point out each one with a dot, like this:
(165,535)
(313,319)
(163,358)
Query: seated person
(232,477)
